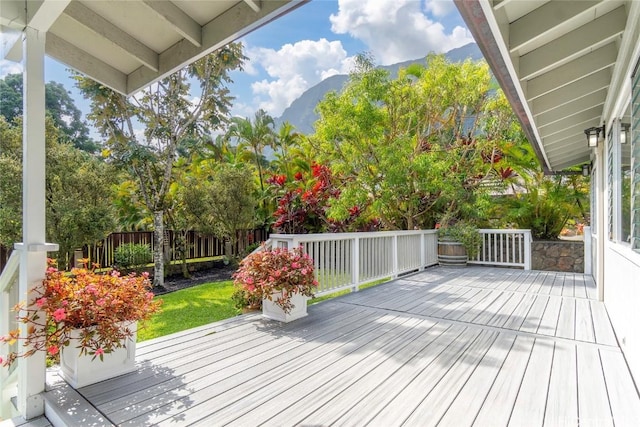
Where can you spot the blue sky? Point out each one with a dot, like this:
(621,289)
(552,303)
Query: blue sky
(320,39)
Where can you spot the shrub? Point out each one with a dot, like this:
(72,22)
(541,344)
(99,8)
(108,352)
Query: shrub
(133,255)
(267,272)
(102,306)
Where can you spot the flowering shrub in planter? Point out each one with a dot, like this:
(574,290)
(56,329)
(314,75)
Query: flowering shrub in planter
(96,313)
(263,274)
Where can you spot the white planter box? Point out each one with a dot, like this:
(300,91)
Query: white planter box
(273,311)
(80,371)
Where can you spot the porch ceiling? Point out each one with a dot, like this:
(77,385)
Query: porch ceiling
(561,64)
(127,45)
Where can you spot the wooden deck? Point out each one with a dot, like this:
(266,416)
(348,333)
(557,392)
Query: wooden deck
(448,347)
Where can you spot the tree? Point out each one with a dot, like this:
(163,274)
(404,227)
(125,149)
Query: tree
(255,136)
(169,118)
(218,198)
(78,198)
(410,150)
(60,107)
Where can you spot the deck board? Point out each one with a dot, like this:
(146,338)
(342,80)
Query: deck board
(450,347)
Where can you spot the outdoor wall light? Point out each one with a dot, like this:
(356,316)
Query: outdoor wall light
(586,169)
(593,135)
(625,129)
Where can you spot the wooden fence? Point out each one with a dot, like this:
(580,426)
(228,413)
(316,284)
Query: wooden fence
(199,245)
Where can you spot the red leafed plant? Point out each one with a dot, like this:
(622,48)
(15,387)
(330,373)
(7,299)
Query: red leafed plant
(103,307)
(264,273)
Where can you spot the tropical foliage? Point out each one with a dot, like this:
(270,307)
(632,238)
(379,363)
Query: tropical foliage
(103,307)
(277,274)
(170,117)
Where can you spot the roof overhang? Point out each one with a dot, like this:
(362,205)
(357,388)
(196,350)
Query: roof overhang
(562,65)
(128,45)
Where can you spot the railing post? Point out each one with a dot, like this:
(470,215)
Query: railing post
(355,264)
(586,236)
(527,249)
(394,251)
(423,251)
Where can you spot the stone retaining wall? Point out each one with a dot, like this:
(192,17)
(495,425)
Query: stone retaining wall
(560,255)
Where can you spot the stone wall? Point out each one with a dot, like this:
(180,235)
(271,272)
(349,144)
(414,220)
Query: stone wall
(560,255)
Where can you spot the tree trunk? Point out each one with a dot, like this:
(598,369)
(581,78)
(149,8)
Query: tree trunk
(158,248)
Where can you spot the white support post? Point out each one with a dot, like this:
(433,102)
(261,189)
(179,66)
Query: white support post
(355,264)
(586,236)
(527,249)
(33,256)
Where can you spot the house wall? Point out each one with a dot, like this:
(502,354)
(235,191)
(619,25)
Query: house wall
(622,300)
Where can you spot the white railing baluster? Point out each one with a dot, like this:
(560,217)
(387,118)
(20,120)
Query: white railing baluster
(510,248)
(9,297)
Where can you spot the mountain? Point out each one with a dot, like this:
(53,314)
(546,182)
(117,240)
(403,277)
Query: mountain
(301,112)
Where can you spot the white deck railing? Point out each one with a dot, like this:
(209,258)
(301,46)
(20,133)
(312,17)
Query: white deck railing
(348,260)
(9,297)
(504,248)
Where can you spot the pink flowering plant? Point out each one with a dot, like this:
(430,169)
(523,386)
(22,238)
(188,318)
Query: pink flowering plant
(103,307)
(264,273)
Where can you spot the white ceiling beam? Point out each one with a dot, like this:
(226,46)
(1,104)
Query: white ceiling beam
(543,19)
(590,63)
(582,117)
(596,33)
(112,34)
(42,15)
(231,25)
(17,15)
(572,108)
(628,54)
(85,63)
(13,14)
(180,21)
(577,89)
(10,44)
(253,5)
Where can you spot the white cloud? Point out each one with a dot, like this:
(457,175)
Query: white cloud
(398,30)
(440,8)
(9,67)
(293,69)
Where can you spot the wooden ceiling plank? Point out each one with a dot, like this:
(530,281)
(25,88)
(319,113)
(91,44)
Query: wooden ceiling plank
(582,117)
(577,89)
(590,63)
(85,63)
(544,19)
(182,23)
(573,44)
(114,35)
(572,108)
(231,25)
(572,160)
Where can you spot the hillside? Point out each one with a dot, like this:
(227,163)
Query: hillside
(301,112)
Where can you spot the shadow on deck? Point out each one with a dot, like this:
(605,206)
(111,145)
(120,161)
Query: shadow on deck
(459,347)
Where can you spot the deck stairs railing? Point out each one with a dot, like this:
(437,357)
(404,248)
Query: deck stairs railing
(9,297)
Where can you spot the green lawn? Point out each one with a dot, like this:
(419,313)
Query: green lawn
(199,305)
(191,307)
